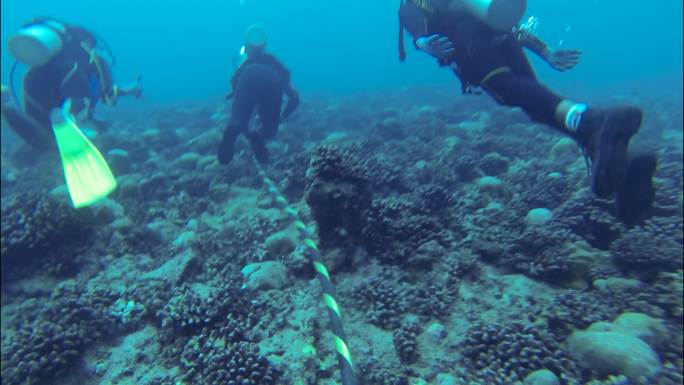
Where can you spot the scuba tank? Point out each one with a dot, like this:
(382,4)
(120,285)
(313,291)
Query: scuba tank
(38,42)
(45,40)
(500,15)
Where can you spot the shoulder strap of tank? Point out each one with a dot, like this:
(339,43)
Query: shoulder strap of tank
(402,46)
(105,45)
(101,74)
(413,16)
(11,80)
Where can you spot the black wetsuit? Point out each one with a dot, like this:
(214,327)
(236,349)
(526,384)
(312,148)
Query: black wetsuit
(69,75)
(258,85)
(492,60)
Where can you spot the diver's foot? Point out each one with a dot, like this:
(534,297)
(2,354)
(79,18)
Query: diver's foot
(605,136)
(258,147)
(227,147)
(636,195)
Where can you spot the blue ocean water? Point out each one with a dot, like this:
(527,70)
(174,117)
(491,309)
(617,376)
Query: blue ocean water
(184,48)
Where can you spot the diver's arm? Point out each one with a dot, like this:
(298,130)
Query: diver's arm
(233,84)
(292,101)
(528,40)
(134,89)
(24,125)
(437,46)
(561,59)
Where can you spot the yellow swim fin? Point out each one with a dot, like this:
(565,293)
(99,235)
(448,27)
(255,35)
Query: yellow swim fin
(88,177)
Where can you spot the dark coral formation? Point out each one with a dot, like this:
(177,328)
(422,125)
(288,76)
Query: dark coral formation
(590,218)
(578,310)
(47,346)
(209,361)
(189,313)
(493,164)
(508,353)
(338,194)
(543,189)
(386,300)
(667,292)
(463,265)
(294,175)
(539,252)
(395,227)
(244,239)
(495,230)
(35,226)
(377,373)
(431,299)
(152,294)
(405,342)
(458,167)
(651,248)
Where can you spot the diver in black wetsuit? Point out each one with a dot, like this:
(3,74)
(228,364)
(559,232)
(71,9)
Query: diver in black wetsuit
(494,61)
(77,71)
(258,84)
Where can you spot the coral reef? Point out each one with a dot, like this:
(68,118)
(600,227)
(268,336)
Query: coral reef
(216,361)
(650,248)
(461,253)
(405,343)
(338,194)
(34,226)
(509,353)
(48,345)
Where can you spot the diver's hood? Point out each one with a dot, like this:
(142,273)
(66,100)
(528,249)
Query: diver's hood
(256,36)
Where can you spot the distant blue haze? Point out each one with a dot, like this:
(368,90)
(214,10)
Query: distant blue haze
(184,48)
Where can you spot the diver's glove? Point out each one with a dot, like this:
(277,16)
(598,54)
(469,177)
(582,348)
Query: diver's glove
(134,88)
(435,45)
(563,59)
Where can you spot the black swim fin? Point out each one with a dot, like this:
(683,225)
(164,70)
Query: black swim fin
(636,195)
(258,147)
(226,149)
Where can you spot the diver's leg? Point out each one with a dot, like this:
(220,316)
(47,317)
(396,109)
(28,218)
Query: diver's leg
(604,134)
(501,68)
(635,197)
(270,104)
(242,109)
(269,113)
(538,102)
(36,134)
(512,52)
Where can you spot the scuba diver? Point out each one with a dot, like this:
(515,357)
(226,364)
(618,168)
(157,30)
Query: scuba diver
(480,41)
(258,85)
(67,77)
(65,63)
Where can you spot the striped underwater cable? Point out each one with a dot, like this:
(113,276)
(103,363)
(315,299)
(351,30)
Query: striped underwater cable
(306,236)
